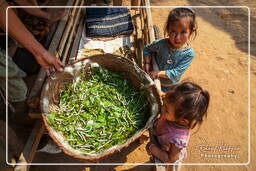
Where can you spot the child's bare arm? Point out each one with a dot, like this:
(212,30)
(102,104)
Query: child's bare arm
(147,64)
(174,153)
(166,157)
(159,153)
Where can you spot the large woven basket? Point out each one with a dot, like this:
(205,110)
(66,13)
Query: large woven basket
(53,85)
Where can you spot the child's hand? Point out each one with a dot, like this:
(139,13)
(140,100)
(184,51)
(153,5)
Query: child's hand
(162,94)
(148,149)
(153,74)
(146,68)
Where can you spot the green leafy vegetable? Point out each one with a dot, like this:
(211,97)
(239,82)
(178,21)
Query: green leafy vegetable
(99,111)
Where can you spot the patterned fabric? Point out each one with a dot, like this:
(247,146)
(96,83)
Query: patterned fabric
(108,22)
(174,62)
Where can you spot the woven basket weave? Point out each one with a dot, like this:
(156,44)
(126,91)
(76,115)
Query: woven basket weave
(54,84)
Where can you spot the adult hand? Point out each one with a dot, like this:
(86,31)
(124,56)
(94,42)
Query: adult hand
(20,33)
(49,62)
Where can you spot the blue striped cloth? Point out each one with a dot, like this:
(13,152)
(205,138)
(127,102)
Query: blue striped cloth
(108,22)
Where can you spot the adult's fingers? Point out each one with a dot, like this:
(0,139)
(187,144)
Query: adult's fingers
(52,69)
(45,65)
(47,71)
(58,65)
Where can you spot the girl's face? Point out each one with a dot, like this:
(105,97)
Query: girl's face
(179,32)
(169,111)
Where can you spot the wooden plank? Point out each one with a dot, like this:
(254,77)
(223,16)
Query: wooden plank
(135,4)
(71,36)
(29,150)
(132,36)
(67,30)
(76,42)
(149,21)
(140,51)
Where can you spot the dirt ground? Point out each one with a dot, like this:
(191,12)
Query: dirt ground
(221,67)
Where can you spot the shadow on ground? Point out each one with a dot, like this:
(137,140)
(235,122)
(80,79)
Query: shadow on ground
(119,157)
(234,20)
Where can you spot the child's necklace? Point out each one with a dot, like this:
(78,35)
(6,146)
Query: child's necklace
(173,51)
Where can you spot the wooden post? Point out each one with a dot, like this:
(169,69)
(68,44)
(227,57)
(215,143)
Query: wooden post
(151,39)
(135,3)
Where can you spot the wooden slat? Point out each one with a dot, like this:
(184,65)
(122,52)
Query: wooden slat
(67,30)
(71,36)
(135,3)
(149,21)
(132,36)
(29,150)
(76,42)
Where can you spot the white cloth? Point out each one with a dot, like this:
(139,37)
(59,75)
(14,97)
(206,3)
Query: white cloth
(108,46)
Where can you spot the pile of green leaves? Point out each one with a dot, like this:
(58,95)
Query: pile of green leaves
(99,111)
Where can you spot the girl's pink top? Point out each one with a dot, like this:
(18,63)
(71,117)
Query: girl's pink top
(170,132)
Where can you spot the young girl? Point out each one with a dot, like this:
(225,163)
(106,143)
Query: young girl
(185,106)
(173,54)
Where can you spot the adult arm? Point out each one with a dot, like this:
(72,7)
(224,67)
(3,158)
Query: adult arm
(18,31)
(33,11)
(38,12)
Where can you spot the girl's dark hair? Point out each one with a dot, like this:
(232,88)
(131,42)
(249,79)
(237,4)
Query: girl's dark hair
(190,101)
(178,13)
